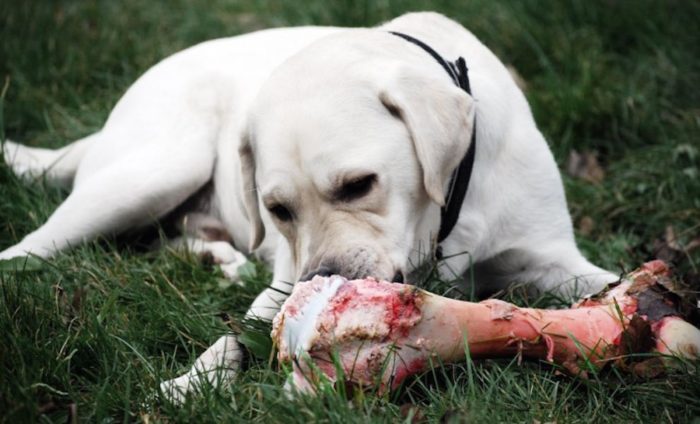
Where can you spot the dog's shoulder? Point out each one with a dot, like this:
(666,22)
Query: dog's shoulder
(423,20)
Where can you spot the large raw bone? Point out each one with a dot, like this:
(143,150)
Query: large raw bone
(377,333)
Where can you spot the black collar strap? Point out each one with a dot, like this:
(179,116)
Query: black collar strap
(459,182)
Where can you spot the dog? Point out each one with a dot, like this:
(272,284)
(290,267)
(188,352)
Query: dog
(325,151)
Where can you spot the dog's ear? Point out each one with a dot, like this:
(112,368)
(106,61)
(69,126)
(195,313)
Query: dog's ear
(250,192)
(439,117)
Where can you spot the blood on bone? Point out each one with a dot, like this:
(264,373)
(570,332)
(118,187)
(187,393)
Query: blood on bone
(359,296)
(525,332)
(406,370)
(341,302)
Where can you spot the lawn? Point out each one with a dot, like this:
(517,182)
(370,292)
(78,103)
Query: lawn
(88,335)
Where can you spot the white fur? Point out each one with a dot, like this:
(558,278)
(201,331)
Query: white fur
(322,117)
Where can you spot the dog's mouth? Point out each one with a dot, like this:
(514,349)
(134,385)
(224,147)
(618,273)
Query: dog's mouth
(353,260)
(327,272)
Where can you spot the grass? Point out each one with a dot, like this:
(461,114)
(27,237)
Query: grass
(90,334)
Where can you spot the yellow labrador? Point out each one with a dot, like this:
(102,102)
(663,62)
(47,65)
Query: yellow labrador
(347,151)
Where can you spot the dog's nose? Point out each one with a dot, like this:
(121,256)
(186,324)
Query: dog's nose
(323,271)
(398,277)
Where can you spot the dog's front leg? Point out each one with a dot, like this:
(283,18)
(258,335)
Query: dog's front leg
(219,253)
(268,303)
(218,365)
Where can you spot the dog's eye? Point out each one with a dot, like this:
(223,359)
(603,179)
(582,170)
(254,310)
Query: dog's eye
(357,188)
(281,212)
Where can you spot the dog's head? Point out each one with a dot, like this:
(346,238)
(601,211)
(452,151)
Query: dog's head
(350,154)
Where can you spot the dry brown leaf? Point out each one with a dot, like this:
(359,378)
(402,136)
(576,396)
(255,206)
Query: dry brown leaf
(692,245)
(585,166)
(668,249)
(670,237)
(414,412)
(586,225)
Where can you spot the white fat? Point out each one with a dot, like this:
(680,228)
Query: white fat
(300,330)
(678,337)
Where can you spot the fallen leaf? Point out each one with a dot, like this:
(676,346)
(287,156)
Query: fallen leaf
(586,225)
(585,166)
(668,249)
(670,237)
(650,368)
(409,411)
(692,245)
(661,250)
(453,416)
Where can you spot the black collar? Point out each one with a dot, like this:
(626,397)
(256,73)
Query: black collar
(459,182)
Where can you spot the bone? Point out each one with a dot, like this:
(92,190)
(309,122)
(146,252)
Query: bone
(373,334)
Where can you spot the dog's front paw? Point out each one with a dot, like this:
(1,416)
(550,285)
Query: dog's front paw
(20,159)
(232,269)
(175,391)
(214,368)
(218,252)
(21,253)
